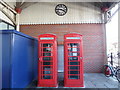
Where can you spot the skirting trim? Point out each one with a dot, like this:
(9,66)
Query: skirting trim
(32,23)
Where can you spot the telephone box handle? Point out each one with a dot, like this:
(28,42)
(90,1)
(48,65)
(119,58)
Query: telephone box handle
(40,59)
(81,57)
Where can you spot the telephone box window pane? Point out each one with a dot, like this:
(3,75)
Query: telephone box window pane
(47,68)
(73,72)
(73,54)
(73,63)
(46,54)
(47,63)
(47,50)
(73,49)
(73,67)
(47,58)
(47,77)
(46,72)
(47,45)
(73,77)
(73,58)
(73,44)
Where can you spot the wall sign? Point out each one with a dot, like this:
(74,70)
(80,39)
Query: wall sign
(61,9)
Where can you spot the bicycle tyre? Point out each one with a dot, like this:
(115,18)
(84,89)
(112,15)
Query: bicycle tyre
(118,75)
(107,71)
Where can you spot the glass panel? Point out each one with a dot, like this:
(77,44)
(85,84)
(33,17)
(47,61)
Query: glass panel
(46,72)
(47,77)
(73,72)
(73,49)
(46,68)
(72,58)
(11,27)
(73,67)
(73,44)
(73,63)
(73,77)
(47,45)
(3,26)
(47,50)
(73,54)
(46,54)
(47,63)
(47,58)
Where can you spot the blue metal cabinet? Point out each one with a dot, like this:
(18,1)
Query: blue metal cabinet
(19,59)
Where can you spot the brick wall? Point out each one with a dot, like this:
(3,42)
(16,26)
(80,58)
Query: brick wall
(93,40)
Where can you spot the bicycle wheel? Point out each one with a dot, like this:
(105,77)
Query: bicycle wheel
(107,71)
(118,75)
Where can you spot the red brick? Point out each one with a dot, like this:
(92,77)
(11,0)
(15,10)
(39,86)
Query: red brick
(93,40)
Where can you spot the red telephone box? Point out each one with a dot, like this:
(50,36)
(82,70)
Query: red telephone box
(47,63)
(73,60)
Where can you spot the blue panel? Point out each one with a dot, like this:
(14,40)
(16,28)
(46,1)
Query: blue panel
(20,56)
(22,69)
(35,59)
(16,32)
(6,60)
(0,61)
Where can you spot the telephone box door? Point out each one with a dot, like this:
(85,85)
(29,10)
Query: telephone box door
(73,61)
(47,64)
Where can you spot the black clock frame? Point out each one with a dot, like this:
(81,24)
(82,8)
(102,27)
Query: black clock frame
(58,7)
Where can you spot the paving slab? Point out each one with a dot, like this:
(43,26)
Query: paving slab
(92,81)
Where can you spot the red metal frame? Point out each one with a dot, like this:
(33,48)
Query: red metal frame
(47,63)
(73,60)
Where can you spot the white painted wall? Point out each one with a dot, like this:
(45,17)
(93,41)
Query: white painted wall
(112,33)
(44,13)
(112,39)
(60,58)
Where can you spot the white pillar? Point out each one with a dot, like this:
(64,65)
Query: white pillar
(0,62)
(18,22)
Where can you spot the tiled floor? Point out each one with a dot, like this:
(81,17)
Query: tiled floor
(91,80)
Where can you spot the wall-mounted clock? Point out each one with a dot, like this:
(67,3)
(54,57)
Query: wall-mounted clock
(61,9)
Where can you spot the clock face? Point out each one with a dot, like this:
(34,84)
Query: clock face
(61,9)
